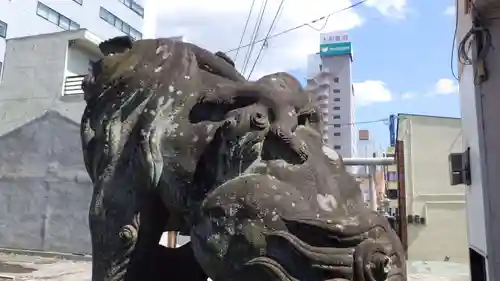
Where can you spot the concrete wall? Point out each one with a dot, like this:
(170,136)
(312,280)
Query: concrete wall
(78,61)
(444,234)
(32,86)
(479,100)
(45,191)
(471,112)
(428,141)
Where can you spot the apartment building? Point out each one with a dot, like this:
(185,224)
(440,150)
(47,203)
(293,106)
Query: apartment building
(105,19)
(337,99)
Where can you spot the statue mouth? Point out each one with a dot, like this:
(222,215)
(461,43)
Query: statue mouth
(336,257)
(273,148)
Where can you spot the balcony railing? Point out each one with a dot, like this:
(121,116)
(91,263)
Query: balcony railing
(73,85)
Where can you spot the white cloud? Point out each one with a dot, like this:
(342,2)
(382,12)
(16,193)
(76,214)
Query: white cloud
(445,86)
(390,8)
(450,11)
(217,25)
(371,91)
(408,96)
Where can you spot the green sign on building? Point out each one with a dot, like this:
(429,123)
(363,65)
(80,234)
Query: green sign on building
(335,49)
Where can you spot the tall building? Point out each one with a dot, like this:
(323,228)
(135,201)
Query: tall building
(105,19)
(337,99)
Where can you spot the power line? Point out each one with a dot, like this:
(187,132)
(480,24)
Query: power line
(265,39)
(453,44)
(302,25)
(277,19)
(254,35)
(324,24)
(358,123)
(452,145)
(244,29)
(266,43)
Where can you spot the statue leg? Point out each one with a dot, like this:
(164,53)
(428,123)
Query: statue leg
(126,225)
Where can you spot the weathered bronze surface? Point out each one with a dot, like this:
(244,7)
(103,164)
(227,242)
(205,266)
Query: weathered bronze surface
(174,138)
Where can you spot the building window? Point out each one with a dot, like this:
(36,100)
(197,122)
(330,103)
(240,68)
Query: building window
(336,99)
(337,147)
(323,105)
(336,91)
(336,108)
(132,5)
(392,194)
(3,29)
(336,125)
(119,24)
(1,70)
(391,176)
(78,1)
(336,116)
(322,97)
(56,18)
(336,80)
(337,134)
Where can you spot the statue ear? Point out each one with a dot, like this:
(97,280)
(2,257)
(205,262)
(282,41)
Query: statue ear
(116,45)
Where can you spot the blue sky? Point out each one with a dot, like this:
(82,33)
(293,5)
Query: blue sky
(401,47)
(408,60)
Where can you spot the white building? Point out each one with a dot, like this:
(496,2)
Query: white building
(337,100)
(478,85)
(50,80)
(103,18)
(435,210)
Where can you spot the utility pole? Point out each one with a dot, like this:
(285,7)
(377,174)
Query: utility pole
(172,239)
(402,217)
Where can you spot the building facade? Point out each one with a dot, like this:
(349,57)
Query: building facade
(337,100)
(103,18)
(478,85)
(41,104)
(391,185)
(44,92)
(436,210)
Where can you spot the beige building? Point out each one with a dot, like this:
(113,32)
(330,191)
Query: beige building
(437,226)
(391,185)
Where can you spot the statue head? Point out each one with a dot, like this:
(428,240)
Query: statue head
(283,221)
(264,216)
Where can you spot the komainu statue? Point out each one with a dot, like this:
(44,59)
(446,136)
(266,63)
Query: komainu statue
(175,139)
